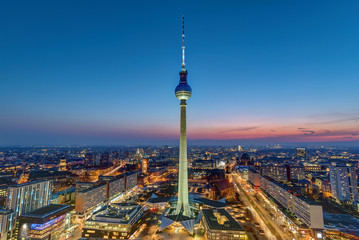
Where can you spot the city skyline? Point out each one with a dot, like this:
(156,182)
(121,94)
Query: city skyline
(92,74)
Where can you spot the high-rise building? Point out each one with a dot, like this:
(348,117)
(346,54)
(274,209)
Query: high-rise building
(343,181)
(6,218)
(48,222)
(301,152)
(183,92)
(27,197)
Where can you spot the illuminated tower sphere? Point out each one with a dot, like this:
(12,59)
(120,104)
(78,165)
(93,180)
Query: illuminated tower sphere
(183,92)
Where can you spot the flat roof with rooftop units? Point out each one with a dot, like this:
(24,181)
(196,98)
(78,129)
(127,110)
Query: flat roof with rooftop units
(219,224)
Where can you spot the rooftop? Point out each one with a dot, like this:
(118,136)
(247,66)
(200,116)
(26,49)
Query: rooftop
(116,213)
(29,183)
(220,219)
(341,221)
(46,211)
(92,188)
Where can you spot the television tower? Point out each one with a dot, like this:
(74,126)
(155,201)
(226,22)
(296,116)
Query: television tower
(183,93)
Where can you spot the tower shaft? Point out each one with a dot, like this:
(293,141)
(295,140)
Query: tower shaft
(182,172)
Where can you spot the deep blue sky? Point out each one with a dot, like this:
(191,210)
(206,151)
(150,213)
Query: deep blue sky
(104,72)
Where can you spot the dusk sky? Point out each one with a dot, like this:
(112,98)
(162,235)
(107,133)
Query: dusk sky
(104,72)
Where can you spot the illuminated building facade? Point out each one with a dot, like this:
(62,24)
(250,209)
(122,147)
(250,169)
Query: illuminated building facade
(301,153)
(295,172)
(130,179)
(308,212)
(6,217)
(27,197)
(343,181)
(115,221)
(254,177)
(62,165)
(66,196)
(277,172)
(48,222)
(89,199)
(116,187)
(80,186)
(203,164)
(145,166)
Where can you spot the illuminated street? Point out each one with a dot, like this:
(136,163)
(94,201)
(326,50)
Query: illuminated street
(271,230)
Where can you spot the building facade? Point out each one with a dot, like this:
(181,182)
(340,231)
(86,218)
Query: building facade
(343,181)
(48,222)
(91,198)
(6,218)
(27,197)
(308,212)
(115,221)
(254,177)
(219,224)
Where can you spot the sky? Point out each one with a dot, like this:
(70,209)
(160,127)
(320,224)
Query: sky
(104,72)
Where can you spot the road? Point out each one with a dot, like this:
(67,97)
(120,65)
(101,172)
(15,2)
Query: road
(113,171)
(263,218)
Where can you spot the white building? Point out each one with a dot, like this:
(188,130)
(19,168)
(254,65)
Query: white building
(6,217)
(91,198)
(254,177)
(308,212)
(343,181)
(29,196)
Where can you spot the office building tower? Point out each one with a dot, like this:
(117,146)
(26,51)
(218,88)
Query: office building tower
(26,197)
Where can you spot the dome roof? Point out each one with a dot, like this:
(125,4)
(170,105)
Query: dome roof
(183,87)
(245,156)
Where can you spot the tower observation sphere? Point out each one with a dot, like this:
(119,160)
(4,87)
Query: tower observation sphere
(183,90)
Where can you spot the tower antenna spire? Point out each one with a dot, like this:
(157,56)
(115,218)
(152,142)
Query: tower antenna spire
(183,64)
